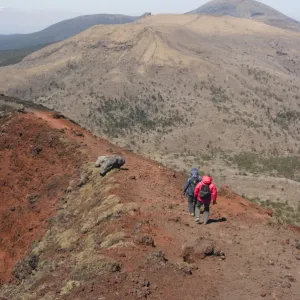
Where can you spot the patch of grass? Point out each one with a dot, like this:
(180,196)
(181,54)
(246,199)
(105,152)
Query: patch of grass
(70,285)
(89,266)
(67,239)
(287,118)
(283,211)
(218,94)
(142,115)
(288,167)
(113,239)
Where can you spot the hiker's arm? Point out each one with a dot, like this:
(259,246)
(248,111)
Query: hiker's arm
(186,186)
(214,193)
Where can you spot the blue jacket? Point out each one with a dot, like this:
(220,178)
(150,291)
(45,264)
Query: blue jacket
(187,186)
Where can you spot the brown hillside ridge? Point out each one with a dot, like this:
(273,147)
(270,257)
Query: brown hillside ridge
(36,168)
(157,85)
(126,235)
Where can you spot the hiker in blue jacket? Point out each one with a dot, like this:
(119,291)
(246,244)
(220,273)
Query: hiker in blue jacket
(189,188)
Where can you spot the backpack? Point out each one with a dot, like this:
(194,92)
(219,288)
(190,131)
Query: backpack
(205,192)
(193,182)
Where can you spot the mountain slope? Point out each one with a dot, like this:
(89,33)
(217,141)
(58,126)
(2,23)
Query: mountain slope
(11,57)
(249,9)
(187,90)
(127,235)
(59,31)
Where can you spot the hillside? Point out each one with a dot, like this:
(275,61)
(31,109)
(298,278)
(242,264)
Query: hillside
(59,31)
(219,93)
(11,57)
(249,9)
(66,233)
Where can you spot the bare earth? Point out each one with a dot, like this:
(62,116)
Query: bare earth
(126,236)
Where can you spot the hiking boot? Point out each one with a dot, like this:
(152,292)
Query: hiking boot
(197,221)
(206,217)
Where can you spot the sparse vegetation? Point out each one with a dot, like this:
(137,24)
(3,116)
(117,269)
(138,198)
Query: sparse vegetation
(218,94)
(287,118)
(283,211)
(143,115)
(288,167)
(11,57)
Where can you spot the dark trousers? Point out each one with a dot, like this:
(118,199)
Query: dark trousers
(191,204)
(206,211)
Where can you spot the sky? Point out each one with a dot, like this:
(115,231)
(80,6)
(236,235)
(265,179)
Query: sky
(70,8)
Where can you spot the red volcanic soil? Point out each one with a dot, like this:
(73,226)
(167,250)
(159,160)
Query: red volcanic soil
(41,154)
(36,168)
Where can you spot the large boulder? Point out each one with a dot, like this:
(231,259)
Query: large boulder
(100,161)
(107,163)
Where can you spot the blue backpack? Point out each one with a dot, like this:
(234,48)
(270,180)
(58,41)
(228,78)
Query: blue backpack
(194,179)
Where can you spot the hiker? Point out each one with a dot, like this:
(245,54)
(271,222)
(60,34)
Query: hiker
(189,188)
(205,193)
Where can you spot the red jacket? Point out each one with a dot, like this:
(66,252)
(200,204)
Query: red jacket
(213,190)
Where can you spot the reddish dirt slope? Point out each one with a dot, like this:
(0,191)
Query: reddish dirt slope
(260,256)
(36,168)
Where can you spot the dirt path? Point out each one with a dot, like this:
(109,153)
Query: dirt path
(260,256)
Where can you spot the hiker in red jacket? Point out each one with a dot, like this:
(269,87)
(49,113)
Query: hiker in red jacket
(205,192)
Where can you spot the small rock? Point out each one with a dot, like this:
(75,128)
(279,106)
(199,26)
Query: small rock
(219,252)
(157,257)
(175,219)
(77,133)
(145,240)
(37,150)
(286,285)
(12,209)
(297,245)
(132,177)
(58,116)
(290,277)
(32,198)
(270,212)
(263,294)
(185,268)
(21,108)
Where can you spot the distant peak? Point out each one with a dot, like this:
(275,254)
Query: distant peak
(248,9)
